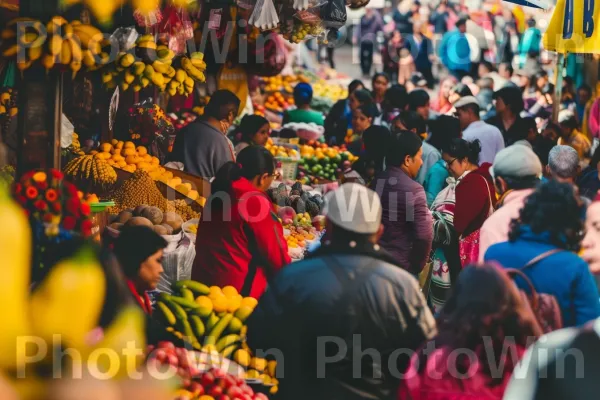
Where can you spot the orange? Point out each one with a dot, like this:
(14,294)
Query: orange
(129,145)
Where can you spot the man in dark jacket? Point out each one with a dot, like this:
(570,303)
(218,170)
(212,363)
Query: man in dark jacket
(202,146)
(509,104)
(407,221)
(343,323)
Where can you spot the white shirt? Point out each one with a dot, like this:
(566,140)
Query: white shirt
(490,137)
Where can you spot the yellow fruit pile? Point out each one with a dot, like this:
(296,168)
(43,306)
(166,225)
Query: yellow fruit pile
(91,168)
(126,156)
(138,189)
(330,91)
(156,68)
(70,45)
(280,82)
(281,151)
(8,107)
(183,209)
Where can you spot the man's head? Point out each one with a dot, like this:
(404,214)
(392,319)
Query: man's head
(418,100)
(409,121)
(509,101)
(516,168)
(353,213)
(140,250)
(467,111)
(563,164)
(485,67)
(530,127)
(485,83)
(506,70)
(303,94)
(223,108)
(405,152)
(355,85)
(461,25)
(584,94)
(567,122)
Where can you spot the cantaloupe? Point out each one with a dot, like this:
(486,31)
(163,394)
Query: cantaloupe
(124,217)
(161,230)
(139,210)
(139,221)
(153,214)
(174,220)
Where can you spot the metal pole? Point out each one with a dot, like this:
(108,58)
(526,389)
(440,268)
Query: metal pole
(559,71)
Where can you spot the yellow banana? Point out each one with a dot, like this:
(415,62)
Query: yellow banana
(8,34)
(124,86)
(144,81)
(15,244)
(138,68)
(88,35)
(66,54)
(107,77)
(127,60)
(180,76)
(11,51)
(75,67)
(48,61)
(172,92)
(88,58)
(76,53)
(158,79)
(129,77)
(149,72)
(55,25)
(55,45)
(80,277)
(35,53)
(23,65)
(160,66)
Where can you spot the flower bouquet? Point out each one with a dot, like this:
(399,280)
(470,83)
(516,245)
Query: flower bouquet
(150,127)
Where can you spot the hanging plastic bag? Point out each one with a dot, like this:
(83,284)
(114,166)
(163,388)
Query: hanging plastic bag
(333,14)
(66,132)
(216,34)
(267,56)
(234,79)
(175,28)
(264,15)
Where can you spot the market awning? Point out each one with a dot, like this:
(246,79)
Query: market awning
(531,3)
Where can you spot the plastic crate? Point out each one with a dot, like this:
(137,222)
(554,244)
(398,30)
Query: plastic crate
(289,168)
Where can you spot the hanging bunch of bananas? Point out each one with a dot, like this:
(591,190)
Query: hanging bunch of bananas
(58,44)
(8,103)
(150,63)
(91,168)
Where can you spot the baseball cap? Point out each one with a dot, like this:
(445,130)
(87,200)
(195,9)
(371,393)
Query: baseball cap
(465,101)
(354,208)
(516,161)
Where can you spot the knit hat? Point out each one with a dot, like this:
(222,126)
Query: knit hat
(517,161)
(354,208)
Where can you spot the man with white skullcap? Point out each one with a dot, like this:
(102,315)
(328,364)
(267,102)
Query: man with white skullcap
(348,295)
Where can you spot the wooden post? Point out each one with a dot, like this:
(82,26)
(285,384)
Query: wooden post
(40,104)
(559,71)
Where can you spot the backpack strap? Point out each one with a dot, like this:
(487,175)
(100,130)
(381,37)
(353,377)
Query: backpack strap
(540,257)
(534,297)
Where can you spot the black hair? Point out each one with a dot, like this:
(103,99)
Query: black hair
(488,65)
(221,104)
(512,97)
(363,96)
(376,140)
(251,162)
(462,90)
(287,133)
(412,120)
(250,125)
(369,110)
(354,85)
(595,158)
(529,123)
(570,123)
(417,98)
(379,75)
(461,21)
(134,245)
(509,68)
(396,98)
(558,200)
(402,144)
(531,22)
(303,94)
(461,149)
(585,87)
(444,129)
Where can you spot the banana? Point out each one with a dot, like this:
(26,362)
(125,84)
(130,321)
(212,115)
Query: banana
(66,54)
(172,92)
(22,66)
(181,90)
(88,35)
(55,25)
(180,76)
(88,58)
(35,53)
(145,38)
(129,77)
(124,86)
(126,60)
(75,67)
(189,82)
(149,72)
(48,61)
(68,31)
(77,55)
(11,51)
(160,67)
(158,79)
(55,45)
(8,34)
(138,68)
(144,81)
(107,77)
(136,88)
(171,72)
(174,85)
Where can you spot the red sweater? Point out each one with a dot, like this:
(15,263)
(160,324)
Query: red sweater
(229,248)
(473,200)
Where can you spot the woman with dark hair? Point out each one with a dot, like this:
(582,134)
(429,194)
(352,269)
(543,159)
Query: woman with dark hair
(376,141)
(589,180)
(240,239)
(140,251)
(545,141)
(458,91)
(475,194)
(543,243)
(380,83)
(303,94)
(362,119)
(339,119)
(396,100)
(441,103)
(484,319)
(253,130)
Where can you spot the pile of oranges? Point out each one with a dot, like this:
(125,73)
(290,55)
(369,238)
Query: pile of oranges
(298,237)
(277,103)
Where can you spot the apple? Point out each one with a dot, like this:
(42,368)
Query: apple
(207,380)
(196,388)
(166,345)
(161,355)
(219,373)
(260,396)
(215,391)
(223,397)
(247,389)
(173,360)
(186,383)
(234,392)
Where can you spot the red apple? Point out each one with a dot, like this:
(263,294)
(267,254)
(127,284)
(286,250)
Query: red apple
(166,345)
(247,389)
(234,392)
(196,388)
(223,397)
(173,360)
(161,355)
(207,380)
(219,373)
(260,396)
(215,391)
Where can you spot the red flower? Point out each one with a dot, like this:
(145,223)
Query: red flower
(56,174)
(86,227)
(27,176)
(51,195)
(40,205)
(31,192)
(85,209)
(18,188)
(22,200)
(73,206)
(48,218)
(71,189)
(69,223)
(42,185)
(56,207)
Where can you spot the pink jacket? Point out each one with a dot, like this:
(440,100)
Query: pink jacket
(496,228)
(594,120)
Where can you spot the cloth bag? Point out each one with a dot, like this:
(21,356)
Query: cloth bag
(469,245)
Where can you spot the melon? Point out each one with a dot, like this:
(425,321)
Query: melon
(174,220)
(124,216)
(154,214)
(140,221)
(161,230)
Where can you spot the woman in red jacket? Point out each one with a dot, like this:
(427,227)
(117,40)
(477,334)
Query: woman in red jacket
(483,331)
(475,194)
(240,239)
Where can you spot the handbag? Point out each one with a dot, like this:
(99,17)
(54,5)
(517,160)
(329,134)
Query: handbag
(544,306)
(469,245)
